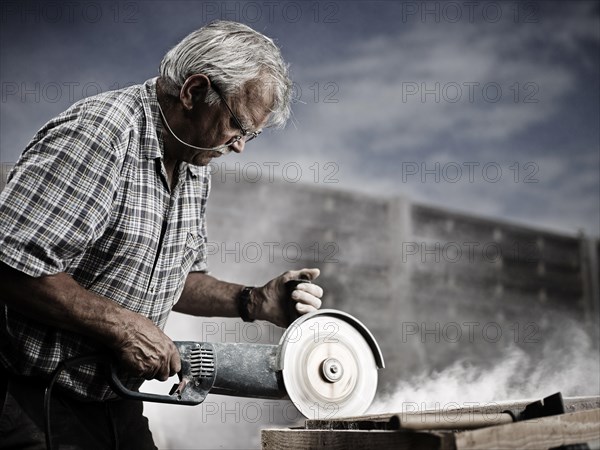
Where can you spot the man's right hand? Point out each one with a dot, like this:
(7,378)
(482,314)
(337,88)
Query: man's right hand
(145,350)
(59,301)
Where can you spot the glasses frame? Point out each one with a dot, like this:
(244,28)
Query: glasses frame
(246,135)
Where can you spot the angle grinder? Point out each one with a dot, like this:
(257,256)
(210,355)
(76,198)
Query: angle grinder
(326,363)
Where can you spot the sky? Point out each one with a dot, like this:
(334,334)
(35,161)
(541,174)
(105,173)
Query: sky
(489,108)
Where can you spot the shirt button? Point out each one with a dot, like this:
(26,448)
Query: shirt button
(152,289)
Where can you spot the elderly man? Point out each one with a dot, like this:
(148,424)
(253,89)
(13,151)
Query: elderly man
(103,233)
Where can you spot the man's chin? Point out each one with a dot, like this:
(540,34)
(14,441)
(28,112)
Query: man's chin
(203,159)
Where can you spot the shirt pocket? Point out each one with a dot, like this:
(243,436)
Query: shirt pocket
(194,250)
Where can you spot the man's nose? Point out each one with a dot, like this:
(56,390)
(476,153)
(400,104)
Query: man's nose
(238,146)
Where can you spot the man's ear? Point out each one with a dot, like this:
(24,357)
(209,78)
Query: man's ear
(194,90)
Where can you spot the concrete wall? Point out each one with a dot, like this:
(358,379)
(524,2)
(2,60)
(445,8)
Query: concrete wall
(431,284)
(5,169)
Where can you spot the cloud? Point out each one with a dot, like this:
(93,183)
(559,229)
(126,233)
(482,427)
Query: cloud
(434,92)
(357,106)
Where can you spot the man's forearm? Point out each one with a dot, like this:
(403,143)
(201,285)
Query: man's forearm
(204,295)
(59,301)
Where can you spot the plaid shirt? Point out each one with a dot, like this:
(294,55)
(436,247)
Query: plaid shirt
(90,197)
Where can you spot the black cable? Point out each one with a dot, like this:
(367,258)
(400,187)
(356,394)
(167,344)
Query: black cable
(66,364)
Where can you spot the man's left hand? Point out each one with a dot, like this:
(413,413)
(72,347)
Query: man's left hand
(272,301)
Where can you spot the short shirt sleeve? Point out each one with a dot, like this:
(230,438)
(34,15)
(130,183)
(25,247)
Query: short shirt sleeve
(58,197)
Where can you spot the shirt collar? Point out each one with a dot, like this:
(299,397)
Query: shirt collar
(154,132)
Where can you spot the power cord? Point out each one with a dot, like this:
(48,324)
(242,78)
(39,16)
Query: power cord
(63,365)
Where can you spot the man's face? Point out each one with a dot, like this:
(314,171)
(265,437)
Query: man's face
(213,126)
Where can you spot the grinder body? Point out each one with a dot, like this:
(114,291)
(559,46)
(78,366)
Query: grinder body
(326,363)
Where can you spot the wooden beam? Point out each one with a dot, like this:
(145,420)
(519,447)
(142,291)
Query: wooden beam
(547,432)
(436,420)
(457,418)
(460,420)
(366,422)
(273,439)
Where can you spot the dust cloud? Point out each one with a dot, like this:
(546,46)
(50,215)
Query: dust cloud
(568,362)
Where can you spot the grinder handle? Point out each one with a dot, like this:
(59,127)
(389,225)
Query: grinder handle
(197,376)
(291,312)
(117,385)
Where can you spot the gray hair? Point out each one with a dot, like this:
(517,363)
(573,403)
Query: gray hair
(231,54)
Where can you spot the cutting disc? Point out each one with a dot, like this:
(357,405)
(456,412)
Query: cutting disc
(328,368)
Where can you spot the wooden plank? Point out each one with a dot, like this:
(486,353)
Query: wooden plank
(492,413)
(448,420)
(572,404)
(369,432)
(366,422)
(457,421)
(554,431)
(277,439)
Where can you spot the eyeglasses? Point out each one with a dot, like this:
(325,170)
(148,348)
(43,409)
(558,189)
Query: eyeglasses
(246,135)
